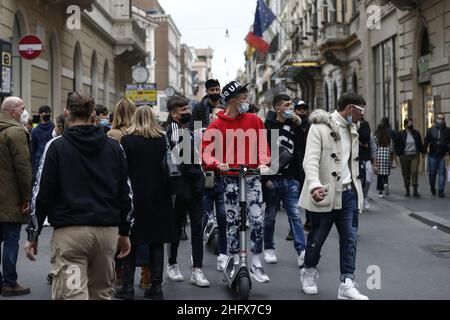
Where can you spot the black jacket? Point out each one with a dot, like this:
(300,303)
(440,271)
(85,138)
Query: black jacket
(291,150)
(153,217)
(201,112)
(401,142)
(438,139)
(191,170)
(82,181)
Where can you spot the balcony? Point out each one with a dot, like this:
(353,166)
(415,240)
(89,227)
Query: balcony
(83,4)
(130,40)
(307,56)
(405,4)
(333,33)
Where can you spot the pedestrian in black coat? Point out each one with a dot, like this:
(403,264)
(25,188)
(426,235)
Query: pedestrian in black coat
(145,148)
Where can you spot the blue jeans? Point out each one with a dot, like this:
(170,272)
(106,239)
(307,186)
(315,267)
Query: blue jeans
(215,197)
(346,220)
(288,191)
(436,166)
(9,236)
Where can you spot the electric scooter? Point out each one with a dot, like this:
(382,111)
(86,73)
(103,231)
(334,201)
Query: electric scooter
(211,235)
(238,276)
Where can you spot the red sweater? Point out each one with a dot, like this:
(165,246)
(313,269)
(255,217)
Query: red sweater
(235,141)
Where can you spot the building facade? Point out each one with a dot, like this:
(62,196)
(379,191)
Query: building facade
(95,56)
(201,69)
(186,71)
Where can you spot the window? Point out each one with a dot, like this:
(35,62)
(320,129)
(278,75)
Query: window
(94,77)
(106,84)
(335,95)
(77,68)
(385,70)
(327,99)
(355,83)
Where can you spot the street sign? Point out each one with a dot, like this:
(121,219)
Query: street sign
(142,93)
(30,47)
(5,67)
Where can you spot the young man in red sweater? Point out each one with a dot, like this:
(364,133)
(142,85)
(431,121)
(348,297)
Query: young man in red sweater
(239,138)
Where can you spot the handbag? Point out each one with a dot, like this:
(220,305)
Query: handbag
(171,168)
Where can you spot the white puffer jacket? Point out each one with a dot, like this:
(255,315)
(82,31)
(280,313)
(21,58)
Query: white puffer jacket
(322,164)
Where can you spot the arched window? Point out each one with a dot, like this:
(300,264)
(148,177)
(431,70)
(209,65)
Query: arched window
(327,98)
(94,76)
(54,73)
(106,84)
(355,83)
(77,68)
(344,86)
(425,43)
(335,95)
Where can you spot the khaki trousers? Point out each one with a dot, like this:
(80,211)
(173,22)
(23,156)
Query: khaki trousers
(83,262)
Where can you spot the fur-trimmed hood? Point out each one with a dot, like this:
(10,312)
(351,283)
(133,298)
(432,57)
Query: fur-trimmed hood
(320,116)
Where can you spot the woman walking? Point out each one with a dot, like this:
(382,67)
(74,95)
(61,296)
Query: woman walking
(121,122)
(385,149)
(145,147)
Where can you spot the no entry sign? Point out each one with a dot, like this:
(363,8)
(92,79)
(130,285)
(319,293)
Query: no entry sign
(30,47)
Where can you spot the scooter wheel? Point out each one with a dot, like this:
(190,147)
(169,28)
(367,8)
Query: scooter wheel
(243,288)
(215,242)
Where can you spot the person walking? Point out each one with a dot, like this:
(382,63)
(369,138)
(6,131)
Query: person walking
(82,185)
(15,191)
(437,143)
(145,147)
(409,147)
(332,191)
(385,150)
(40,135)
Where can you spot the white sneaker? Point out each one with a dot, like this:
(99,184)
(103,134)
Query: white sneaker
(269,256)
(348,291)
(259,275)
(222,261)
(380,195)
(173,273)
(366,204)
(198,278)
(46,224)
(386,190)
(301,258)
(309,278)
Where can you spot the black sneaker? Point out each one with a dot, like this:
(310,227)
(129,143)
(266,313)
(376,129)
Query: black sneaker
(125,293)
(154,293)
(441,194)
(433,191)
(290,237)
(49,279)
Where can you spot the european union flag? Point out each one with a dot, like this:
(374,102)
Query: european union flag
(263,18)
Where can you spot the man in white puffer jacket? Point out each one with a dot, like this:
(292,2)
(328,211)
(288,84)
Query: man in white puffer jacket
(332,190)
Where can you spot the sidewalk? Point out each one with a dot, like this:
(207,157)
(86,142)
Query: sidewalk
(428,209)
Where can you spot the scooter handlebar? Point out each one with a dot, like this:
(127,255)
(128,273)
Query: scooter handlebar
(246,170)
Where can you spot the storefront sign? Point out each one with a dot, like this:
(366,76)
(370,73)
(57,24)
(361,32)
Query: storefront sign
(142,93)
(5,67)
(423,72)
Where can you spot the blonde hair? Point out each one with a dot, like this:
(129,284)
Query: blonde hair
(144,123)
(123,114)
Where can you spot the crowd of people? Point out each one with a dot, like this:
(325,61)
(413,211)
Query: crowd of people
(100,180)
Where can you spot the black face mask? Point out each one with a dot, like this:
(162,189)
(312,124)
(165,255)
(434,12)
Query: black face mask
(46,118)
(214,96)
(410,127)
(185,118)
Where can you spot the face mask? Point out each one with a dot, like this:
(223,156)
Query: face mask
(288,114)
(410,127)
(24,117)
(350,119)
(214,96)
(243,108)
(185,118)
(54,134)
(46,117)
(104,122)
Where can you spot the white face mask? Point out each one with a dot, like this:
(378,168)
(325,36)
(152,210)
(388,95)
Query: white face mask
(243,108)
(24,116)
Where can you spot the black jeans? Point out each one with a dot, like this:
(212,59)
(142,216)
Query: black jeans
(156,264)
(193,204)
(382,179)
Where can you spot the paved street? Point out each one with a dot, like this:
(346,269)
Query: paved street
(389,238)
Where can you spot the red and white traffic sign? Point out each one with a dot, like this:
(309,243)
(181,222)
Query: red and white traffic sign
(30,47)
